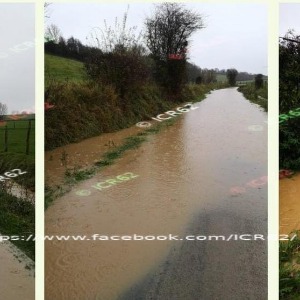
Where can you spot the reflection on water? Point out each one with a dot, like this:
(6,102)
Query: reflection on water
(186,169)
(289,195)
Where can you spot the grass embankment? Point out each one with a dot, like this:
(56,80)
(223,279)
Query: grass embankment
(289,269)
(63,69)
(17,216)
(85,109)
(258,96)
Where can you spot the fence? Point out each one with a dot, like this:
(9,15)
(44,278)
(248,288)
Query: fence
(17,136)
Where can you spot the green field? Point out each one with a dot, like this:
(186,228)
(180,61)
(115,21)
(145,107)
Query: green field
(221,78)
(244,82)
(63,69)
(16,137)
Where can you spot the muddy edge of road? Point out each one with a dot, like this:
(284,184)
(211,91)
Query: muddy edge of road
(68,174)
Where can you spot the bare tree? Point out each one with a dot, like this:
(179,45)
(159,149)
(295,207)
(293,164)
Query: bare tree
(53,33)
(168,30)
(117,37)
(3,111)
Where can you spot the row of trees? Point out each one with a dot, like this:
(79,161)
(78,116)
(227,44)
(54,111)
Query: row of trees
(122,57)
(289,77)
(232,76)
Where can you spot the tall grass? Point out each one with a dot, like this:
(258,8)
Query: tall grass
(256,95)
(17,219)
(84,110)
(289,270)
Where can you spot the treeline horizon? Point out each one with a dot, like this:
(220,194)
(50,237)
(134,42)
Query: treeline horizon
(73,48)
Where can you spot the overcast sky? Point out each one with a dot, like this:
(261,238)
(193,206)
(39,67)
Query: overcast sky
(289,18)
(235,34)
(17,56)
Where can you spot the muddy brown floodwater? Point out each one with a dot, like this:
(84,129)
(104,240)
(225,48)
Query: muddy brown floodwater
(289,196)
(16,272)
(186,175)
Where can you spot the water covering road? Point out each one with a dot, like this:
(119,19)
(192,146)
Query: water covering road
(205,175)
(16,273)
(289,204)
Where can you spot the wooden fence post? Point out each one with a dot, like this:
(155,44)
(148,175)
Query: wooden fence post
(28,136)
(5,139)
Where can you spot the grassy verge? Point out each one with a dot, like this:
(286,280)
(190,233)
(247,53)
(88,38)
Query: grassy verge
(289,269)
(17,218)
(258,96)
(92,109)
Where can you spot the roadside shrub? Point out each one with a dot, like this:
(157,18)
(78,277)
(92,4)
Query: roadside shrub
(89,109)
(123,69)
(259,81)
(255,95)
(289,147)
(83,110)
(289,274)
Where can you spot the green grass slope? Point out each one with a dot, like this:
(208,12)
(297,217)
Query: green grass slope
(63,69)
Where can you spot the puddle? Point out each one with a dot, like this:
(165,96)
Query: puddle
(187,169)
(289,195)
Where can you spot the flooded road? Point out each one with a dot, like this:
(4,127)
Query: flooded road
(289,195)
(205,175)
(82,154)
(16,272)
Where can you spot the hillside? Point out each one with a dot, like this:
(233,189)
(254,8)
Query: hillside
(63,69)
